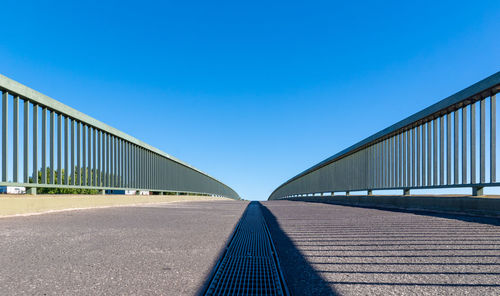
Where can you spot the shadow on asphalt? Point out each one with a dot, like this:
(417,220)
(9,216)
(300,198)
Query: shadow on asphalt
(362,252)
(301,278)
(465,218)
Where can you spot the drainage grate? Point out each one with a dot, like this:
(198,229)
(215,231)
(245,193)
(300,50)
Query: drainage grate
(249,266)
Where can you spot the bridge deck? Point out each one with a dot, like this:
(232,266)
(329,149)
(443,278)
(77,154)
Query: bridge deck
(167,249)
(332,249)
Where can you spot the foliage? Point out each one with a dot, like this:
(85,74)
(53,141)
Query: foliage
(46,190)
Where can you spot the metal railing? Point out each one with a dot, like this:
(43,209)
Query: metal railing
(64,148)
(449,144)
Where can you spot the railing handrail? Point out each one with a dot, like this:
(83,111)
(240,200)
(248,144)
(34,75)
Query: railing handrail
(475,92)
(24,92)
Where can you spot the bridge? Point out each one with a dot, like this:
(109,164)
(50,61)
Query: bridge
(350,225)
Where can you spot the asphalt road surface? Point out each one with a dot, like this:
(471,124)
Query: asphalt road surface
(168,249)
(340,250)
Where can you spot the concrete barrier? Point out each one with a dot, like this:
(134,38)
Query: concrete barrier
(468,205)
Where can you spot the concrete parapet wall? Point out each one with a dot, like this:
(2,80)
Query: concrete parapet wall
(478,206)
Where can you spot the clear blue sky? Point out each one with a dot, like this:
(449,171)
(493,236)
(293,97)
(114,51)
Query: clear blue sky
(250,92)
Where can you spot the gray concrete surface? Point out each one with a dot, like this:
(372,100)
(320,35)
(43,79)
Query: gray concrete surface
(167,249)
(341,250)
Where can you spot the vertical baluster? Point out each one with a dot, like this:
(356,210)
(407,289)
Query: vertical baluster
(140,162)
(464,145)
(408,158)
(73,173)
(59,149)
(35,144)
(473,143)
(89,149)
(134,167)
(448,148)
(99,158)
(119,162)
(482,145)
(419,155)
(44,145)
(114,161)
(105,159)
(455,146)
(5,145)
(349,169)
(51,151)
(131,166)
(94,157)
(441,150)
(429,153)
(435,164)
(108,160)
(143,168)
(493,139)
(79,154)
(15,139)
(125,164)
(66,151)
(424,154)
(139,167)
(111,161)
(84,155)
(401,164)
(413,152)
(389,141)
(122,166)
(404,159)
(396,157)
(26,141)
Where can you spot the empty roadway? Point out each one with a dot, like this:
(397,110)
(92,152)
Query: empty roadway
(163,249)
(171,249)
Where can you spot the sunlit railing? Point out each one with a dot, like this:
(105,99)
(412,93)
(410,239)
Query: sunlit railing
(61,147)
(449,144)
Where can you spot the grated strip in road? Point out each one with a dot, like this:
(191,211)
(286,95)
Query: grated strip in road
(249,265)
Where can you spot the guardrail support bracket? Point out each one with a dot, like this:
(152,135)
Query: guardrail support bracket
(406,192)
(477,191)
(370,192)
(347,193)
